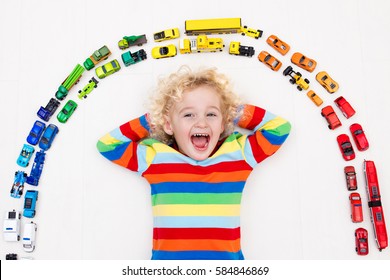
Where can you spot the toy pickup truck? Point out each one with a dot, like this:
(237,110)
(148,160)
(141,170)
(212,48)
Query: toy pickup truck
(129,58)
(99,55)
(133,40)
(46,112)
(69,82)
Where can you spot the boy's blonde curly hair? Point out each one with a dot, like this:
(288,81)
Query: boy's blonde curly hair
(170,90)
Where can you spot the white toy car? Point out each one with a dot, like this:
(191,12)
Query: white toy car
(11,226)
(29,236)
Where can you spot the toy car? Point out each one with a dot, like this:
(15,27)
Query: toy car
(48,137)
(133,40)
(269,60)
(314,97)
(304,62)
(329,114)
(99,55)
(164,51)
(166,35)
(237,49)
(108,69)
(11,226)
(25,155)
(251,32)
(361,241)
(327,82)
(29,236)
(356,207)
(36,132)
(92,84)
(345,147)
(359,137)
(30,202)
(67,111)
(49,110)
(278,44)
(296,78)
(18,185)
(11,256)
(36,169)
(350,177)
(344,107)
(129,58)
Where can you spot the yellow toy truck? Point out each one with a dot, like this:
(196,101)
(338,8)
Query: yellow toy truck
(201,44)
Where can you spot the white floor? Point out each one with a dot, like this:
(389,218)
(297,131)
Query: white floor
(295,205)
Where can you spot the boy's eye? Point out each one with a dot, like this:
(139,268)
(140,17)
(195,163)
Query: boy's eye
(211,114)
(188,115)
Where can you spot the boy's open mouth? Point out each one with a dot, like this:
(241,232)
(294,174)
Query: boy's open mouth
(200,140)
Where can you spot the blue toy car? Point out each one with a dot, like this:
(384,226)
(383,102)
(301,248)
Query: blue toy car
(18,185)
(36,132)
(30,202)
(48,137)
(36,169)
(25,155)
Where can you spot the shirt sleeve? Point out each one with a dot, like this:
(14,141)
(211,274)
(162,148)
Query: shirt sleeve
(268,133)
(121,144)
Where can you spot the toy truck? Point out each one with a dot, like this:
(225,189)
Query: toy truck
(237,49)
(129,58)
(201,44)
(375,204)
(46,112)
(98,56)
(133,40)
(11,226)
(69,82)
(37,168)
(296,78)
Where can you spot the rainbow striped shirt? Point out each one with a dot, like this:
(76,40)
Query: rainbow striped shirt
(196,204)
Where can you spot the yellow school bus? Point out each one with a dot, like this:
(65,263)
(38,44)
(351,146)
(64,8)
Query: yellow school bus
(212,26)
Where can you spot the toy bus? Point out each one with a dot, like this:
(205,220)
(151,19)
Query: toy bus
(213,26)
(375,204)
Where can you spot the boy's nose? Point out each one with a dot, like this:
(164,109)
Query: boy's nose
(201,122)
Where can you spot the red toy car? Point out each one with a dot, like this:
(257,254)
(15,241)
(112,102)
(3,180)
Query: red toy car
(356,207)
(350,177)
(329,114)
(361,236)
(344,107)
(375,205)
(346,147)
(359,137)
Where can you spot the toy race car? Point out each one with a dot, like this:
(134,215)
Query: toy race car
(296,78)
(25,155)
(92,84)
(18,185)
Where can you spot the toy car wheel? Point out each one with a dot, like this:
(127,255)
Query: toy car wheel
(287,71)
(329,126)
(79,91)
(299,88)
(18,237)
(292,81)
(307,81)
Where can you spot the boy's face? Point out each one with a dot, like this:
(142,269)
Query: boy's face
(196,122)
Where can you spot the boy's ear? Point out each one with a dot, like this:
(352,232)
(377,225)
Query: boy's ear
(167,126)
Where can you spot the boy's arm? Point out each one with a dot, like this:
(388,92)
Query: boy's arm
(120,145)
(269,132)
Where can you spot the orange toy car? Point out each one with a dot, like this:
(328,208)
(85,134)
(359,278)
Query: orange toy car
(304,62)
(327,82)
(314,97)
(269,60)
(278,44)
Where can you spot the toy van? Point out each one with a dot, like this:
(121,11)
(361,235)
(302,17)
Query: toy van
(29,233)
(11,226)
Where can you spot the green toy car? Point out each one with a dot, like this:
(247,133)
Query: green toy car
(67,111)
(108,69)
(88,88)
